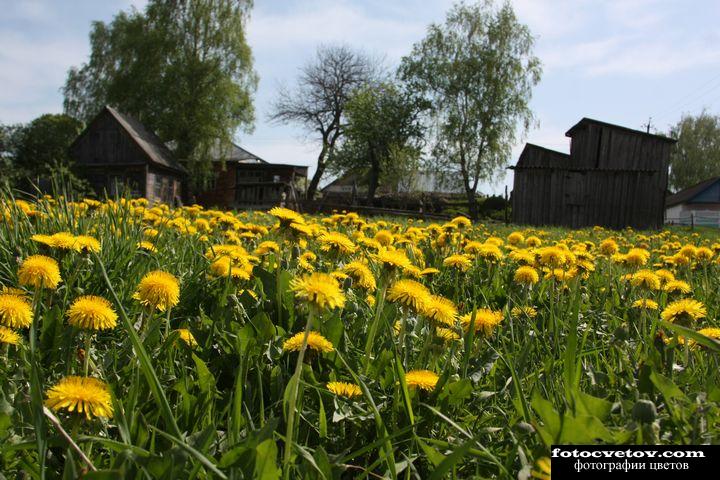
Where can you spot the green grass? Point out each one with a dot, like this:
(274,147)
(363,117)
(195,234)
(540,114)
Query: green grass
(572,374)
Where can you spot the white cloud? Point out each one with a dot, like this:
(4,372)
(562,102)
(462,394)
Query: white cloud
(31,71)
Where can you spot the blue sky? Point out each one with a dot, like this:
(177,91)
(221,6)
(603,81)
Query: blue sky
(620,61)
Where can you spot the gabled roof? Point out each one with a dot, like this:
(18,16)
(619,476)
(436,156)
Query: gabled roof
(150,143)
(587,121)
(689,193)
(234,153)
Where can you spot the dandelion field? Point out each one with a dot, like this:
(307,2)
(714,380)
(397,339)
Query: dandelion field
(140,341)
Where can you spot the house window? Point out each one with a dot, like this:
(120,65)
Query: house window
(276,178)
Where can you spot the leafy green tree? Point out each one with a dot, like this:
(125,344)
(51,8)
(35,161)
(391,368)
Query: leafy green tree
(9,139)
(477,71)
(182,67)
(42,145)
(37,153)
(696,156)
(318,102)
(382,135)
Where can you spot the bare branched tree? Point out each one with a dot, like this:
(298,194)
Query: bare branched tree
(318,101)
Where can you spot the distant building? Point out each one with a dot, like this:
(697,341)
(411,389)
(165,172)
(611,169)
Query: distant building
(244,180)
(613,177)
(696,205)
(422,181)
(116,151)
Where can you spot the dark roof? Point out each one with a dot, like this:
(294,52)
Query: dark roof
(546,158)
(585,121)
(687,194)
(150,143)
(234,153)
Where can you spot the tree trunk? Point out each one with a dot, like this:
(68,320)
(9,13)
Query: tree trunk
(472,204)
(312,188)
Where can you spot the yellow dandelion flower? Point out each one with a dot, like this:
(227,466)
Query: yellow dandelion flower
(92,312)
(15,311)
(515,238)
(187,337)
(338,242)
(637,257)
(645,279)
(447,334)
(490,252)
(344,389)
(384,237)
(526,311)
(409,293)
(422,379)
(677,286)
(485,320)
(441,310)
(461,222)
(552,256)
(461,262)
(645,303)
(305,261)
(147,246)
(267,247)
(81,395)
(86,243)
(9,337)
(665,275)
(362,274)
(533,241)
(609,247)
(39,271)
(159,290)
(315,341)
(526,275)
(392,259)
(428,271)
(543,469)
(319,289)
(685,311)
(286,216)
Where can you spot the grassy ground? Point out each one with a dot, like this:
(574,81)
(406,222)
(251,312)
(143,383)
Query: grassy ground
(473,371)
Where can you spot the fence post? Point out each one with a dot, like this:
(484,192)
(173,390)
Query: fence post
(692,220)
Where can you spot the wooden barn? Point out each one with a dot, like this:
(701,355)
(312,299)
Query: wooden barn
(116,152)
(244,180)
(614,177)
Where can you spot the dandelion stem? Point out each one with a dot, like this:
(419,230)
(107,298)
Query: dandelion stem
(292,405)
(86,357)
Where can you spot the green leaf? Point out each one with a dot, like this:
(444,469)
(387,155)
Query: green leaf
(450,461)
(550,430)
(206,380)
(707,342)
(583,429)
(432,454)
(666,387)
(586,404)
(266,461)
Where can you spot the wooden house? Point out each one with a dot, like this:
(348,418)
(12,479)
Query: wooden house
(613,177)
(116,152)
(245,181)
(695,205)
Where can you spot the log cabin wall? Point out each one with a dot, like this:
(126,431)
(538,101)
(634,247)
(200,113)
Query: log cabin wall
(614,177)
